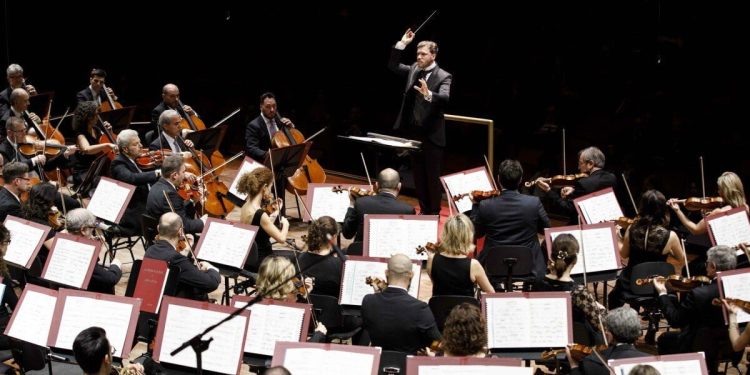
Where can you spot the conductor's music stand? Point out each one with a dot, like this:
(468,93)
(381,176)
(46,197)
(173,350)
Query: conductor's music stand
(119,118)
(286,161)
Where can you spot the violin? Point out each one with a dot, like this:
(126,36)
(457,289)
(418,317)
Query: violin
(558,180)
(742,304)
(376,282)
(577,351)
(181,243)
(624,222)
(299,284)
(32,146)
(697,203)
(677,283)
(478,195)
(269,205)
(354,191)
(431,247)
(55,219)
(150,159)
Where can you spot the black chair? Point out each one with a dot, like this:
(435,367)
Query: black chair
(506,265)
(145,332)
(644,295)
(148,226)
(355,248)
(441,307)
(392,362)
(329,312)
(149,137)
(32,359)
(120,238)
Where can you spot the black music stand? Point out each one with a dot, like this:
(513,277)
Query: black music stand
(119,118)
(207,140)
(39,103)
(286,161)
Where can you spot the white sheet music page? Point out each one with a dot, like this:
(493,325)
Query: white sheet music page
(737,286)
(688,367)
(353,285)
(80,313)
(731,230)
(473,370)
(313,361)
(599,249)
(185,322)
(248,165)
(109,199)
(400,236)
(527,322)
(269,324)
(24,241)
(32,319)
(461,183)
(69,262)
(325,202)
(600,208)
(226,244)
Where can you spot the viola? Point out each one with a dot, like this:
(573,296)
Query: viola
(742,304)
(677,283)
(558,180)
(431,247)
(310,171)
(478,195)
(697,203)
(376,282)
(577,351)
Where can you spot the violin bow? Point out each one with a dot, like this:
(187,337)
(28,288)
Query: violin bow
(307,292)
(601,327)
(684,256)
(214,169)
(62,197)
(703,177)
(583,253)
(627,187)
(236,111)
(53,132)
(565,164)
(487,163)
(367,173)
(425,21)
(315,135)
(190,248)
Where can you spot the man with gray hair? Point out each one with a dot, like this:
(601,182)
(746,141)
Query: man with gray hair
(171,136)
(14,74)
(81,222)
(623,329)
(394,319)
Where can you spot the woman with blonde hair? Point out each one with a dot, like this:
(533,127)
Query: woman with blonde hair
(451,270)
(730,190)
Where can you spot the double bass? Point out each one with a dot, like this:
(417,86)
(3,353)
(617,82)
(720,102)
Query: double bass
(310,171)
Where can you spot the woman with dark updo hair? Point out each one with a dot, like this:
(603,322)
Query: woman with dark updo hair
(326,272)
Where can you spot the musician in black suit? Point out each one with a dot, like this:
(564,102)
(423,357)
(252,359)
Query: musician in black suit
(195,281)
(394,319)
(14,74)
(623,329)
(19,104)
(81,222)
(170,95)
(258,133)
(388,185)
(94,92)
(511,218)
(16,130)
(425,98)
(173,174)
(16,176)
(125,169)
(172,136)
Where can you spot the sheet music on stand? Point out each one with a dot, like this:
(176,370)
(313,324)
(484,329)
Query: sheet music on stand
(419,365)
(386,140)
(358,268)
(71,260)
(599,244)
(674,364)
(225,242)
(735,284)
(27,238)
(464,182)
(247,166)
(32,319)
(513,320)
(181,319)
(323,201)
(385,235)
(729,228)
(110,199)
(307,358)
(598,206)
(77,310)
(272,322)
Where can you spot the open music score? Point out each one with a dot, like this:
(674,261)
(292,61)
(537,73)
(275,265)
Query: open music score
(71,260)
(598,242)
(735,284)
(323,201)
(465,182)
(27,237)
(110,199)
(528,320)
(729,228)
(225,242)
(32,319)
(419,365)
(675,364)
(598,207)
(248,165)
(181,319)
(357,269)
(273,321)
(306,358)
(385,235)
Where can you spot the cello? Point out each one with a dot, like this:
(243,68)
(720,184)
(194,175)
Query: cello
(310,171)
(194,123)
(110,103)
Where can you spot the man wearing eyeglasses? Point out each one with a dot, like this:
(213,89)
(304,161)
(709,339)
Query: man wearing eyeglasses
(16,177)
(94,353)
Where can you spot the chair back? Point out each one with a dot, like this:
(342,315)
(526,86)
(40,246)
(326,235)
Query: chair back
(441,307)
(148,226)
(392,362)
(327,310)
(582,334)
(495,266)
(27,355)
(149,137)
(646,270)
(355,248)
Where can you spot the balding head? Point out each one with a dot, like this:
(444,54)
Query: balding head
(170,94)
(388,179)
(18,96)
(399,271)
(169,225)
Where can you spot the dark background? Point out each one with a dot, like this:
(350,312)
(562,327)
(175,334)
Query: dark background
(628,76)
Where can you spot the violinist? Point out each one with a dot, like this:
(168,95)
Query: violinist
(94,92)
(696,313)
(590,161)
(195,282)
(623,327)
(169,123)
(40,208)
(16,176)
(18,107)
(388,186)
(14,74)
(739,340)
(170,95)
(173,177)
(125,169)
(451,270)
(8,298)
(16,129)
(257,184)
(85,120)
(82,222)
(511,218)
(326,272)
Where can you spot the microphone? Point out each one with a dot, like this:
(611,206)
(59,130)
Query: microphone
(337,249)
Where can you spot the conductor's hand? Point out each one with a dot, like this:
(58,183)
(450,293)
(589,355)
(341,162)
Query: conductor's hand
(422,88)
(408,37)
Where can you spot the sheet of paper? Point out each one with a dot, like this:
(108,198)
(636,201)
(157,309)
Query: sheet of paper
(325,202)
(309,361)
(248,165)
(81,313)
(527,322)
(269,324)
(24,241)
(108,200)
(461,183)
(738,287)
(69,262)
(689,367)
(387,142)
(473,370)
(599,249)
(353,285)
(226,244)
(600,208)
(225,350)
(731,230)
(32,319)
(394,236)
